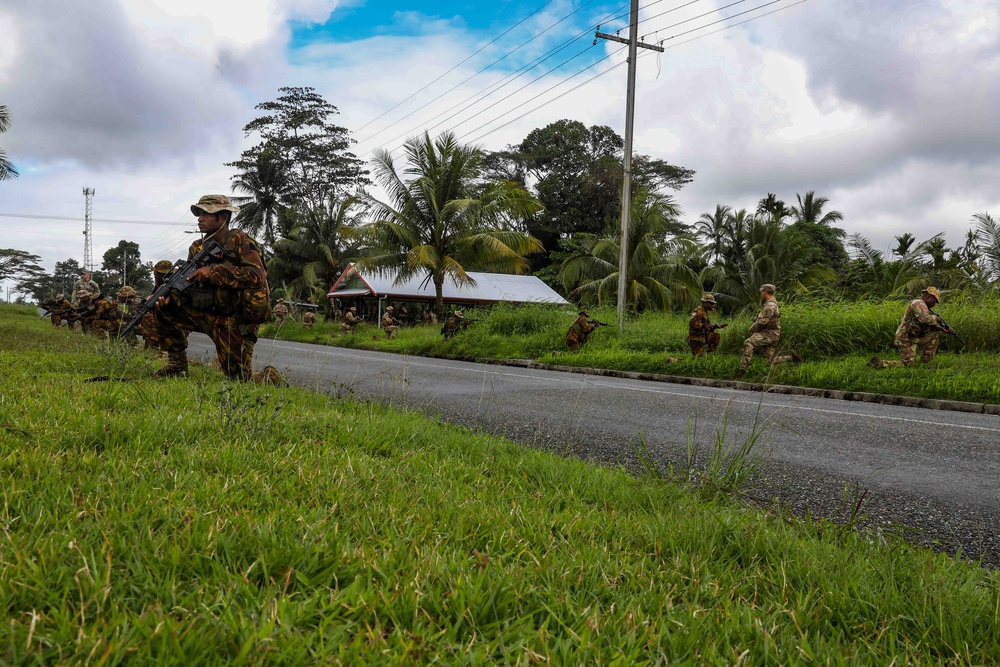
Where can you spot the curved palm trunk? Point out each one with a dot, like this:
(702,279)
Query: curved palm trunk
(439,297)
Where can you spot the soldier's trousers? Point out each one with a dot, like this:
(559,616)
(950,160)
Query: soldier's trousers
(390,331)
(908,348)
(767,343)
(234,341)
(699,344)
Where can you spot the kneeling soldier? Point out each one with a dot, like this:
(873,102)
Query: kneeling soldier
(579,331)
(918,331)
(701,332)
(389,323)
(765,333)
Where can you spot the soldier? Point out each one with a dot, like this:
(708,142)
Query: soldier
(106,317)
(701,332)
(309,318)
(84,284)
(579,331)
(59,307)
(280,312)
(147,325)
(84,311)
(351,322)
(765,333)
(227,300)
(918,331)
(452,325)
(390,325)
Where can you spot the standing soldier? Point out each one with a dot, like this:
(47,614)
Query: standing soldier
(701,331)
(280,312)
(227,300)
(351,322)
(452,325)
(918,331)
(309,318)
(765,333)
(579,331)
(389,323)
(84,284)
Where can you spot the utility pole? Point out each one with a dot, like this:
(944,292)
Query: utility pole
(88,230)
(633,46)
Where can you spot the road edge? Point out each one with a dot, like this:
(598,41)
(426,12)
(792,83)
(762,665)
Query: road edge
(835,394)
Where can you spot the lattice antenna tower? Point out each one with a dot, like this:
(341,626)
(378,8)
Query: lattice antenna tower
(88,230)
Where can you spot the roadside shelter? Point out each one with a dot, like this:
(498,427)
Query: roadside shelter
(371,290)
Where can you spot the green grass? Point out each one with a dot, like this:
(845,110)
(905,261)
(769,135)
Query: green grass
(836,340)
(200,522)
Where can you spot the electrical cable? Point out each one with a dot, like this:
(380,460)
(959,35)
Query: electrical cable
(463,82)
(467,59)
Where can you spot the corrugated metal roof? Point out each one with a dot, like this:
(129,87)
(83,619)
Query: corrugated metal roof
(489,287)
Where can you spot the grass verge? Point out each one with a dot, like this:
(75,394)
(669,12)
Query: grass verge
(837,341)
(201,522)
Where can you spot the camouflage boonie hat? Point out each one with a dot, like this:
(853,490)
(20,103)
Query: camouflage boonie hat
(768,287)
(281,300)
(353,308)
(126,292)
(214,204)
(707,298)
(933,291)
(163,266)
(458,313)
(60,296)
(584,313)
(388,309)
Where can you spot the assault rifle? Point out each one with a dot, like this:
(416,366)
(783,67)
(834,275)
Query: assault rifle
(177,279)
(55,312)
(598,323)
(721,325)
(947,328)
(80,314)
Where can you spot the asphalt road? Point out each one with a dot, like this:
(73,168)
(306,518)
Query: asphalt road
(932,472)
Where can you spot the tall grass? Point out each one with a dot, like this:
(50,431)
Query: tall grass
(159,522)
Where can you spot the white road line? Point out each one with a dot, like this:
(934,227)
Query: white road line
(589,380)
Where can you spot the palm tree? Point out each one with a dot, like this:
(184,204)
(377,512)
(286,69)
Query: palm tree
(7,170)
(899,277)
(655,280)
(810,209)
(266,185)
(714,228)
(774,254)
(988,240)
(904,243)
(441,222)
(310,258)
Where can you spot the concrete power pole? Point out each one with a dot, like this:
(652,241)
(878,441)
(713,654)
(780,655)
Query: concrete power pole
(633,46)
(88,230)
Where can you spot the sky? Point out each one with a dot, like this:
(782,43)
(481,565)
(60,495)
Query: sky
(886,108)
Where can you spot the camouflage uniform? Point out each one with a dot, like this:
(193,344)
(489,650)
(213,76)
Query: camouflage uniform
(86,305)
(107,318)
(764,335)
(701,332)
(280,312)
(579,331)
(918,331)
(216,307)
(82,285)
(57,305)
(389,324)
(452,325)
(351,322)
(308,319)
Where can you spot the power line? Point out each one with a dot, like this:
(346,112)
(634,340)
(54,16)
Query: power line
(77,219)
(693,18)
(612,68)
(470,78)
(472,100)
(469,57)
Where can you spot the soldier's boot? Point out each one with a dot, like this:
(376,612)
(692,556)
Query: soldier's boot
(268,375)
(177,365)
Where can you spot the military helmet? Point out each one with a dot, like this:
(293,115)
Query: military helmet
(126,292)
(769,288)
(163,266)
(281,300)
(213,204)
(933,291)
(707,298)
